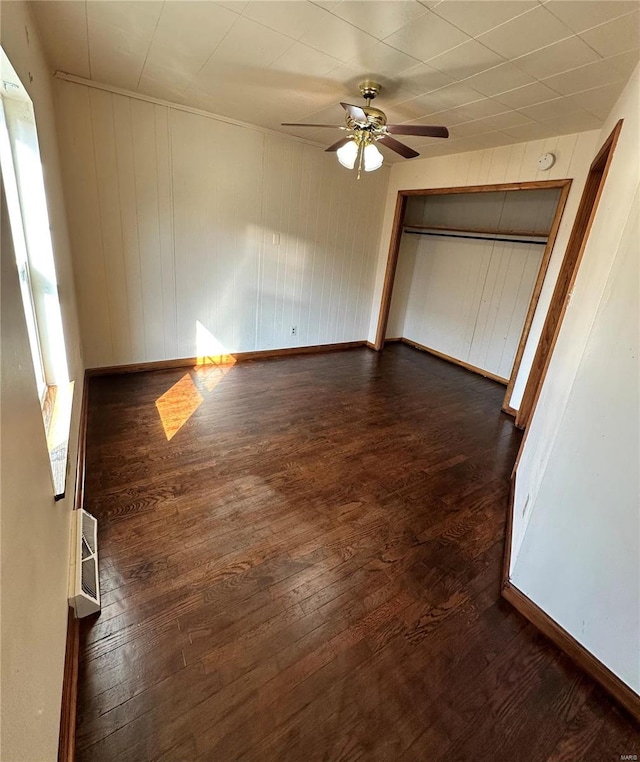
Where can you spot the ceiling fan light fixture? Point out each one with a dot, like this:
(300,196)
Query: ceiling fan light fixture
(372,158)
(348,154)
(365,125)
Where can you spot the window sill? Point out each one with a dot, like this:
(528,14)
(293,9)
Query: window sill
(56,415)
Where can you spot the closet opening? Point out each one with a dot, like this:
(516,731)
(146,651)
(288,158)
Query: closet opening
(465,270)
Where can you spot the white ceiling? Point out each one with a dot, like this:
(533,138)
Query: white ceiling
(493,71)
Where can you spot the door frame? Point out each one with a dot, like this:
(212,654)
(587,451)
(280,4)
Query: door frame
(591,194)
(394,249)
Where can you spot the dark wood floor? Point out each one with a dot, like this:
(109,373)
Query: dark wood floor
(309,569)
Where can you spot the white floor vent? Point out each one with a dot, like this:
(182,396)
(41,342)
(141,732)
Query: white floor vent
(85,595)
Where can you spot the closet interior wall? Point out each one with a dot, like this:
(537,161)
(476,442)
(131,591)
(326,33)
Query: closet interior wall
(464,297)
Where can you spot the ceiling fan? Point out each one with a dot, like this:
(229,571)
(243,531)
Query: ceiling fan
(366,127)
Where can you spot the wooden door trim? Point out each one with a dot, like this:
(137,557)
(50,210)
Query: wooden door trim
(486,188)
(390,271)
(566,281)
(535,296)
(396,237)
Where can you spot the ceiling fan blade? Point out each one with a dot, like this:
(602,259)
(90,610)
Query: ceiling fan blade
(355,112)
(429,131)
(398,147)
(296,124)
(339,144)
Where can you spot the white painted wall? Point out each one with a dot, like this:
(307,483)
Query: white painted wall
(172,222)
(576,549)
(469,298)
(35,529)
(515,163)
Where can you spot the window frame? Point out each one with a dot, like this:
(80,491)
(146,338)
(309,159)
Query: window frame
(24,182)
(17,223)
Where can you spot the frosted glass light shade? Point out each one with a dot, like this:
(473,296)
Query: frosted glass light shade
(372,158)
(347,154)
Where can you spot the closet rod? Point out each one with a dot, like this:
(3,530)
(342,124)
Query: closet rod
(475,237)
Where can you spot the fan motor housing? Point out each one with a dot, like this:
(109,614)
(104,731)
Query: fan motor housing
(376,119)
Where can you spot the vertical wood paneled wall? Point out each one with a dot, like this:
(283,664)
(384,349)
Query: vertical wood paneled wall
(469,298)
(173,217)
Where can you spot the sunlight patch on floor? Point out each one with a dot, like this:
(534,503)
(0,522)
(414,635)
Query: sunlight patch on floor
(178,404)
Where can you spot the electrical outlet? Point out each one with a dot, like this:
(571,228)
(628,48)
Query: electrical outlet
(294,330)
(276,239)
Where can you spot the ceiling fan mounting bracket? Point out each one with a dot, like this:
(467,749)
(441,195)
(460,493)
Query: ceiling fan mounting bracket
(369,89)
